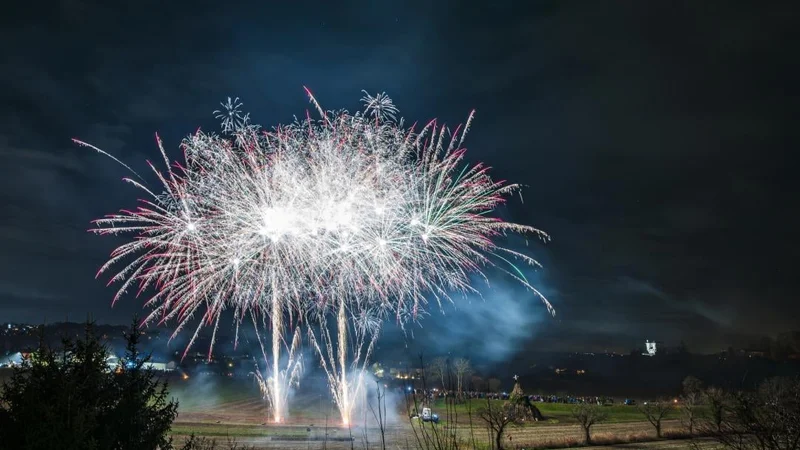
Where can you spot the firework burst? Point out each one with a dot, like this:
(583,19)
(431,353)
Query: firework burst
(231,116)
(347,217)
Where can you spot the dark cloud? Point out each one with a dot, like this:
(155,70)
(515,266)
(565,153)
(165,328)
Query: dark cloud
(653,140)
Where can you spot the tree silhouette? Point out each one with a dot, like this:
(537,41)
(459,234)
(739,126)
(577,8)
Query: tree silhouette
(462,369)
(498,417)
(766,419)
(691,399)
(70,399)
(439,369)
(587,415)
(655,413)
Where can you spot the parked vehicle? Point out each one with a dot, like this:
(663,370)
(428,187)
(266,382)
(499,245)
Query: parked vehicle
(427,416)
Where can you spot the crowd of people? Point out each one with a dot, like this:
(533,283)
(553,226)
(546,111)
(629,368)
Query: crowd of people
(434,394)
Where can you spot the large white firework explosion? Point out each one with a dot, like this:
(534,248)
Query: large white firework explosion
(352,217)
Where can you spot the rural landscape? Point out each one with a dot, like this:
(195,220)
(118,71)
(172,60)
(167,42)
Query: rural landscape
(386,225)
(445,405)
(242,418)
(235,414)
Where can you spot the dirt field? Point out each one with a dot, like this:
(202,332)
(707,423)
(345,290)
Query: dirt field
(244,420)
(662,445)
(401,444)
(223,411)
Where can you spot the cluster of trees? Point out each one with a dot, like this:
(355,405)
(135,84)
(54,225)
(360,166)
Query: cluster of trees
(767,418)
(459,376)
(454,375)
(67,398)
(779,348)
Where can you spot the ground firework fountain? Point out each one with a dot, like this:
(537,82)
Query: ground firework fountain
(277,329)
(275,386)
(347,218)
(344,352)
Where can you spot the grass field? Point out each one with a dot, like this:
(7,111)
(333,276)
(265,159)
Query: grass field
(224,409)
(216,430)
(555,413)
(233,409)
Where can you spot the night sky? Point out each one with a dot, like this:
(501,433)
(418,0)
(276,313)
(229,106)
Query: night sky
(653,139)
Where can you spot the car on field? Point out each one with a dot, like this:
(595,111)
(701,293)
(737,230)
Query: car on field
(426,416)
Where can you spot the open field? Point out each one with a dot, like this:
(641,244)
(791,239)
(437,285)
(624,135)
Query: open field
(233,409)
(223,408)
(705,444)
(399,438)
(556,413)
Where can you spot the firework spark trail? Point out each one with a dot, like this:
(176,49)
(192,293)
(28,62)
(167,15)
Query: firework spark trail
(276,384)
(342,215)
(277,330)
(345,353)
(341,327)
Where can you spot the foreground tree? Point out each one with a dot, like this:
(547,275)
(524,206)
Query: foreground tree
(587,415)
(70,400)
(655,413)
(691,399)
(143,413)
(768,419)
(498,417)
(717,401)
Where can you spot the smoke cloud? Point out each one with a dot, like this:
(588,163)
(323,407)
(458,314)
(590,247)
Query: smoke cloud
(491,327)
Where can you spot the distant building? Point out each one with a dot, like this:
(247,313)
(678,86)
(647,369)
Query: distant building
(757,353)
(404,374)
(160,366)
(113,364)
(650,347)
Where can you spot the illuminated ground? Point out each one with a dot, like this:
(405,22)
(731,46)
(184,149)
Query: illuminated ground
(234,409)
(222,408)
